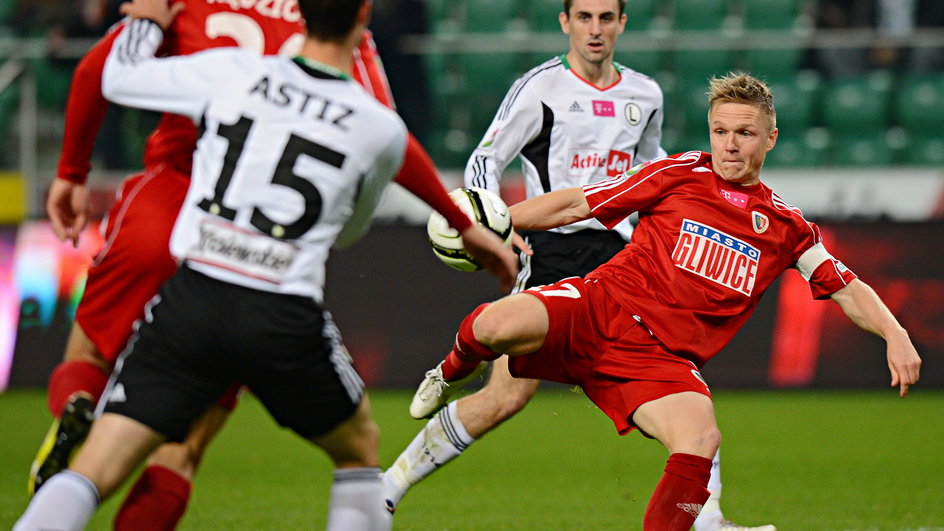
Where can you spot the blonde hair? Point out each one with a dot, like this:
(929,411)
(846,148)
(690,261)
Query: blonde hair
(743,88)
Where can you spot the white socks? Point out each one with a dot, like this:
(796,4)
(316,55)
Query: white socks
(357,501)
(443,439)
(66,502)
(710,517)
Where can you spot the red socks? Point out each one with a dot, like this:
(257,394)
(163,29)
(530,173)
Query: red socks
(155,503)
(680,494)
(467,353)
(70,377)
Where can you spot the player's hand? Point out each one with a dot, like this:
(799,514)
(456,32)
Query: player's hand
(903,362)
(489,250)
(68,206)
(160,11)
(518,242)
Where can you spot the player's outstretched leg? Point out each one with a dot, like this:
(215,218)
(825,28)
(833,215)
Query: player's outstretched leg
(455,428)
(435,390)
(461,366)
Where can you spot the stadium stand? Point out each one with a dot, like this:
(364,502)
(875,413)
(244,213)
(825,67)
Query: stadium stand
(770,15)
(699,14)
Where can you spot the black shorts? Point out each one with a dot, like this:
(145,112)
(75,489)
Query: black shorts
(558,256)
(200,335)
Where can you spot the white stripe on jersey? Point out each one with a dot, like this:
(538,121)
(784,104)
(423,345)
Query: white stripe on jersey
(686,160)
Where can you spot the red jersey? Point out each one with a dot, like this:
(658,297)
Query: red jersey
(704,251)
(263,26)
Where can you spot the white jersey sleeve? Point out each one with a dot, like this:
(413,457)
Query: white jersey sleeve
(649,147)
(519,122)
(134,77)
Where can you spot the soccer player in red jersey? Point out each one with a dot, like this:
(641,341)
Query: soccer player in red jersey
(135,260)
(634,332)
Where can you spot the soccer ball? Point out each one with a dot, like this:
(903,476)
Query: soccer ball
(482,206)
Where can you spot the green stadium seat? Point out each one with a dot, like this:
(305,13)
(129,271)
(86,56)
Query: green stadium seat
(443,17)
(773,65)
(857,104)
(919,104)
(489,16)
(648,62)
(697,66)
(795,101)
(699,14)
(450,147)
(640,14)
(489,71)
(799,149)
(53,81)
(694,104)
(923,149)
(543,15)
(863,148)
(770,14)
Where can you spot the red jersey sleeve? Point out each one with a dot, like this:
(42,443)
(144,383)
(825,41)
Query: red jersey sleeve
(369,72)
(85,112)
(825,273)
(613,200)
(418,175)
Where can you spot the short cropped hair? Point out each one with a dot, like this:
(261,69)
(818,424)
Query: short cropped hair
(569,3)
(743,88)
(329,20)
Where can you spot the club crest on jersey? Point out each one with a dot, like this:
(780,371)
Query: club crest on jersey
(603,108)
(716,256)
(490,139)
(759,221)
(633,113)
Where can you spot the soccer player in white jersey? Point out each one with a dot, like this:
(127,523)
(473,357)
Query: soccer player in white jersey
(292,158)
(576,119)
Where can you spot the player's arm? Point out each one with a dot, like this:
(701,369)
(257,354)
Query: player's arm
(418,175)
(517,122)
(68,205)
(864,307)
(650,143)
(133,76)
(550,210)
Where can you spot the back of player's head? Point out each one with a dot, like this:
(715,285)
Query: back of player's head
(570,3)
(329,20)
(743,88)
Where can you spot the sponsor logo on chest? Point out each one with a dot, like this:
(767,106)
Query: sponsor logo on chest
(712,254)
(588,161)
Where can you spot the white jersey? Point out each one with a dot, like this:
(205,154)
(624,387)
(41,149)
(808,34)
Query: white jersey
(570,132)
(291,157)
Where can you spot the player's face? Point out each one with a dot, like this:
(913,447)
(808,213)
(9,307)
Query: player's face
(593,26)
(740,141)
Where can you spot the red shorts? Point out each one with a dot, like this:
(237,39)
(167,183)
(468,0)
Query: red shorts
(135,260)
(595,343)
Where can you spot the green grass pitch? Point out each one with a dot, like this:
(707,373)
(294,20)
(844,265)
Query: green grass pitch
(803,460)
